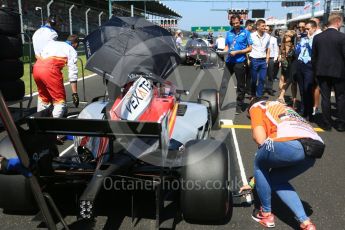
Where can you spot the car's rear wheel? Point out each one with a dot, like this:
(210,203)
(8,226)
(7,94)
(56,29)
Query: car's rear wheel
(183,57)
(205,195)
(213,58)
(15,191)
(16,194)
(211,98)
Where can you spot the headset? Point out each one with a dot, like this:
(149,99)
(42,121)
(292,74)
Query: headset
(52,19)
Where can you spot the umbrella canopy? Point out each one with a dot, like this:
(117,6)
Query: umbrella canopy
(126,48)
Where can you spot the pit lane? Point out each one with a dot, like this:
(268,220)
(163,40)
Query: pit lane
(316,187)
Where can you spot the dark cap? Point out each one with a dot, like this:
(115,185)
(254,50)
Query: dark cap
(52,19)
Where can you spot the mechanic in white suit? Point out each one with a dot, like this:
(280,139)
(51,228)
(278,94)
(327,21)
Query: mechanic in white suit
(49,78)
(220,43)
(44,35)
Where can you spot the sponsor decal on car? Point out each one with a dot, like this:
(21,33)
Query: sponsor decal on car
(136,100)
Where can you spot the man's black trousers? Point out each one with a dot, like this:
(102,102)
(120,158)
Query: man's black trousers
(305,79)
(240,72)
(270,75)
(326,84)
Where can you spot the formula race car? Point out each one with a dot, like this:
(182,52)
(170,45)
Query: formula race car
(145,133)
(197,52)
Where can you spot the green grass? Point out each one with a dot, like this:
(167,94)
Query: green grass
(26,76)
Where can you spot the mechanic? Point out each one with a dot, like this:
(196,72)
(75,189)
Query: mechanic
(210,38)
(287,147)
(178,39)
(48,76)
(239,43)
(220,43)
(220,46)
(44,35)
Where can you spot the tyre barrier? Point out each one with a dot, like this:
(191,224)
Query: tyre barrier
(12,69)
(11,47)
(12,90)
(9,21)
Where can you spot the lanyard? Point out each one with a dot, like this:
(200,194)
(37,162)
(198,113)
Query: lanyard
(305,46)
(232,46)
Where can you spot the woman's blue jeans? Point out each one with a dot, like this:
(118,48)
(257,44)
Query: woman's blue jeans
(275,165)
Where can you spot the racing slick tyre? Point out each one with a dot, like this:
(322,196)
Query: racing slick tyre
(213,58)
(183,57)
(205,195)
(9,21)
(12,90)
(211,97)
(15,190)
(15,194)
(11,47)
(13,69)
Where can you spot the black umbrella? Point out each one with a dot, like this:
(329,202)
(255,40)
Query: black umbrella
(125,48)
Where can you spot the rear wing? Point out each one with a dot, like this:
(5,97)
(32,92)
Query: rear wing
(94,127)
(105,128)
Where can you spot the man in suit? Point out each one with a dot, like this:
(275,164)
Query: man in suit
(328,61)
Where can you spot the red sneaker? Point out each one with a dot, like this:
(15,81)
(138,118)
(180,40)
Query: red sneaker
(267,221)
(309,226)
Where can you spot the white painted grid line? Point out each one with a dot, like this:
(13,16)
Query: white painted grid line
(66,150)
(239,159)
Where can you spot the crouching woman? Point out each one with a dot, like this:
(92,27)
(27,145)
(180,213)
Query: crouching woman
(287,147)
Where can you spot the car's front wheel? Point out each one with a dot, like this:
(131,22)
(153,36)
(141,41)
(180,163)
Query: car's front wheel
(211,97)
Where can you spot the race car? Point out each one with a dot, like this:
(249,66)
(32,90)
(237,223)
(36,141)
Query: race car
(147,132)
(197,52)
(141,131)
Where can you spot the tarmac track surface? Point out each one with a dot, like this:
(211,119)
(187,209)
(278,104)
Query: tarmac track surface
(321,188)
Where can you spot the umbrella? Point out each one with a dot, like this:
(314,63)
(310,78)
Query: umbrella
(126,48)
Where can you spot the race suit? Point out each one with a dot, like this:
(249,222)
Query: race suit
(41,38)
(48,76)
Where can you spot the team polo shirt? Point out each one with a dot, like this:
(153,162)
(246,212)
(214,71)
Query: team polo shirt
(235,42)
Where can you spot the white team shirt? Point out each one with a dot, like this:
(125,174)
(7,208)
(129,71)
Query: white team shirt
(179,42)
(274,49)
(220,43)
(41,38)
(57,49)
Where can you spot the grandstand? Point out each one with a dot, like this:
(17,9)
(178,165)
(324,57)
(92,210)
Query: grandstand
(336,6)
(32,18)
